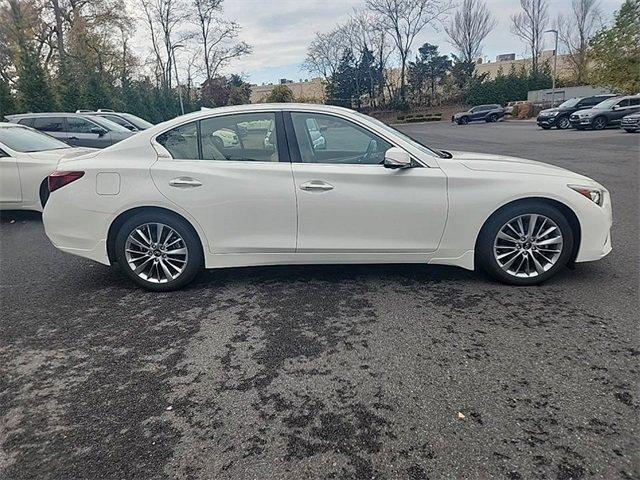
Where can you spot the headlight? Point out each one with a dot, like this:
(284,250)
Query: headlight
(592,193)
(553,114)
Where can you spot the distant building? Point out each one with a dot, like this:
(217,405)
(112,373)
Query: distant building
(307,90)
(505,61)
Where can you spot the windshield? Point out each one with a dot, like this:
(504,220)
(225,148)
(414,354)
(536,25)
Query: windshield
(141,123)
(572,102)
(404,136)
(26,140)
(108,124)
(607,103)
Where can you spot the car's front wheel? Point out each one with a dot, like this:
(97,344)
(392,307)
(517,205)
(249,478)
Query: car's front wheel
(525,244)
(159,251)
(563,123)
(463,121)
(599,123)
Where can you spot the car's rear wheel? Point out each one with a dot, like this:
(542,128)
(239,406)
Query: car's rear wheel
(563,123)
(599,123)
(525,244)
(492,118)
(159,251)
(463,121)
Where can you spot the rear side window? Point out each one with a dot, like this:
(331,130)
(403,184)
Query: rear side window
(119,121)
(80,125)
(26,121)
(181,142)
(49,124)
(634,102)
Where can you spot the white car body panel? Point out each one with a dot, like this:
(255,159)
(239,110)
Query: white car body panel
(22,173)
(254,213)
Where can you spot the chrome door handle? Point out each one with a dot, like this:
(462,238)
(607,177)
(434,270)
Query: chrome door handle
(316,186)
(184,182)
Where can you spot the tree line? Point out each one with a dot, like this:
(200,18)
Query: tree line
(77,54)
(366,60)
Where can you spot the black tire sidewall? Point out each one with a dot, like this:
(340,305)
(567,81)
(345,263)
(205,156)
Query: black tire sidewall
(195,263)
(486,238)
(595,123)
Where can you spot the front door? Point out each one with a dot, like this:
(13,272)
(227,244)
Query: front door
(82,133)
(623,108)
(233,174)
(348,202)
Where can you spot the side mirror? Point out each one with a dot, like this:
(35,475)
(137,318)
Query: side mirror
(397,158)
(615,107)
(98,131)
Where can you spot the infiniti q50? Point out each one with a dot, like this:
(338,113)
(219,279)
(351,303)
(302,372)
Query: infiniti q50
(170,201)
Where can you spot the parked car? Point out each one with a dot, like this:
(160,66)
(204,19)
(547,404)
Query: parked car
(27,157)
(163,205)
(559,117)
(631,123)
(126,120)
(607,113)
(486,113)
(509,108)
(75,129)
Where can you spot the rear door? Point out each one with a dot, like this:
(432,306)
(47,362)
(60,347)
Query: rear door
(241,193)
(10,189)
(54,126)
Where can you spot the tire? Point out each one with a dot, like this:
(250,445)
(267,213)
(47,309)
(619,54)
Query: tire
(580,128)
(463,121)
(490,246)
(599,123)
(492,118)
(183,267)
(629,130)
(563,123)
(545,128)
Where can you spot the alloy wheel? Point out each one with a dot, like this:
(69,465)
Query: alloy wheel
(564,123)
(599,123)
(528,245)
(156,252)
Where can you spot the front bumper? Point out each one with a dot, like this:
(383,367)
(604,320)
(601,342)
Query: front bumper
(580,122)
(546,121)
(630,125)
(595,228)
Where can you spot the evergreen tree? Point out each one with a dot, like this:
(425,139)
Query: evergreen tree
(7,101)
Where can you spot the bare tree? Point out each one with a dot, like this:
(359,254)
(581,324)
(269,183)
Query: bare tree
(529,25)
(216,36)
(163,17)
(324,53)
(575,30)
(469,27)
(404,20)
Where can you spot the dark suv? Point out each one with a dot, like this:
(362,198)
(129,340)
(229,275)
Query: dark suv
(559,117)
(127,120)
(609,112)
(487,113)
(75,129)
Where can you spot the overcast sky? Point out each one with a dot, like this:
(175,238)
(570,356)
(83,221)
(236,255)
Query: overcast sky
(281,30)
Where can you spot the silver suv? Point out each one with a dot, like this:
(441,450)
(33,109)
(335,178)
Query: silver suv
(75,129)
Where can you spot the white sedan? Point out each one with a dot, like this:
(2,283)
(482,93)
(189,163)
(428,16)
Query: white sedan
(27,157)
(168,202)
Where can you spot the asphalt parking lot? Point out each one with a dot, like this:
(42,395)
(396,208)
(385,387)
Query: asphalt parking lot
(330,372)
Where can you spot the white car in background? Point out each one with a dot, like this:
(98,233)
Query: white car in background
(27,157)
(166,203)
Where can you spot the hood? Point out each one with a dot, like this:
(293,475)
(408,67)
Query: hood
(62,153)
(503,163)
(548,111)
(585,112)
(459,114)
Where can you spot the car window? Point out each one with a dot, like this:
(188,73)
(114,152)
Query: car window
(181,142)
(49,124)
(80,125)
(27,121)
(624,103)
(119,121)
(336,141)
(634,102)
(250,137)
(26,140)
